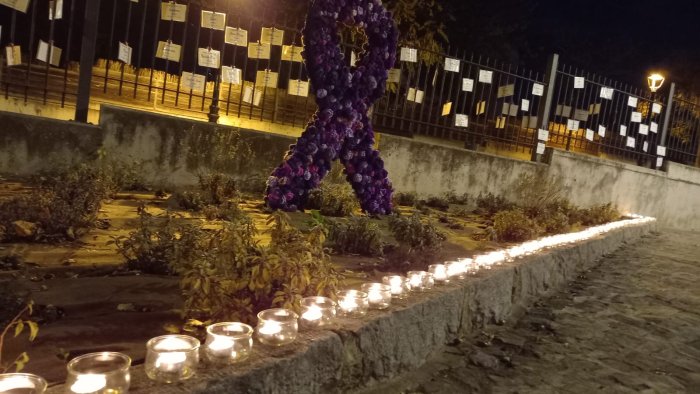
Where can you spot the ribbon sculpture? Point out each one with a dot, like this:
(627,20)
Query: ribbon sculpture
(340,128)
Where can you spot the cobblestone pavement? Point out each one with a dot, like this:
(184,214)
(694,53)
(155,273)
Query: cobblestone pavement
(630,325)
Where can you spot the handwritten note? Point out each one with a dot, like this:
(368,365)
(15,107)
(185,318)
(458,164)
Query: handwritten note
(125,52)
(607,93)
(272,36)
(231,75)
(409,55)
(632,101)
(298,88)
(461,120)
(213,20)
(168,51)
(207,57)
(292,53)
(447,108)
(467,85)
(452,65)
(485,76)
(579,82)
(171,11)
(643,129)
(506,91)
(19,5)
(572,125)
(537,89)
(266,79)
(601,131)
(13,55)
(525,105)
(543,135)
(258,50)
(236,36)
(195,82)
(590,134)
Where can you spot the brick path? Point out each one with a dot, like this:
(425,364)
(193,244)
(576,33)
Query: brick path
(630,325)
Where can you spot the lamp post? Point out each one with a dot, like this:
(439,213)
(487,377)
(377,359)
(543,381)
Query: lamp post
(654,81)
(214,107)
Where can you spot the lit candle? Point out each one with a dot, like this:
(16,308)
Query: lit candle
(439,272)
(21,383)
(172,358)
(228,342)
(103,372)
(312,314)
(397,284)
(277,327)
(415,280)
(352,302)
(378,295)
(317,311)
(270,328)
(456,269)
(89,383)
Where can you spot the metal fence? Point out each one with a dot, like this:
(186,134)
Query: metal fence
(178,57)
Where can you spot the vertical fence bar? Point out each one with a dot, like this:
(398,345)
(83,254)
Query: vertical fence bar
(87,58)
(543,111)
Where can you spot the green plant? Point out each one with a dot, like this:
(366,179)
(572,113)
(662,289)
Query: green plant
(359,234)
(599,214)
(190,200)
(17,324)
(333,199)
(229,211)
(124,176)
(537,192)
(514,226)
(217,187)
(415,235)
(436,202)
(405,199)
(489,204)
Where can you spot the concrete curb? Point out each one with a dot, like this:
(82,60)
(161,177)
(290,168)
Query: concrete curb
(356,353)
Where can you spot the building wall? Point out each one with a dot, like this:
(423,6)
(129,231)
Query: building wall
(172,151)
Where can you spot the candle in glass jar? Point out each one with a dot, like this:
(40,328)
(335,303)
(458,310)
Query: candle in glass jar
(397,284)
(89,383)
(228,342)
(22,383)
(417,280)
(277,327)
(378,295)
(439,272)
(172,358)
(352,303)
(316,311)
(103,372)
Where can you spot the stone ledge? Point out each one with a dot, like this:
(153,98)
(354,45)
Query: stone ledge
(359,352)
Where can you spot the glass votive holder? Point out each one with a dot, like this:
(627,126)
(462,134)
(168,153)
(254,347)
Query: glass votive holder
(398,284)
(277,327)
(172,358)
(439,272)
(99,373)
(228,343)
(352,303)
(316,312)
(22,383)
(378,295)
(420,280)
(456,269)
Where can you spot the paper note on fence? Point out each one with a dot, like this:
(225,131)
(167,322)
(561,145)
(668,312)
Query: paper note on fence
(168,51)
(415,95)
(171,11)
(480,107)
(461,120)
(501,122)
(509,109)
(529,122)
(452,65)
(409,55)
(636,117)
(231,75)
(298,88)
(563,111)
(467,85)
(292,53)
(601,130)
(543,135)
(594,109)
(42,53)
(540,148)
(579,82)
(213,20)
(590,134)
(258,50)
(272,36)
(195,82)
(573,125)
(632,101)
(623,130)
(55,10)
(537,89)
(659,162)
(13,55)
(631,142)
(607,93)
(643,129)
(236,36)
(506,91)
(656,108)
(645,147)
(248,94)
(19,5)
(525,105)
(581,114)
(661,150)
(207,57)
(447,108)
(485,76)
(125,52)
(394,76)
(654,127)
(266,79)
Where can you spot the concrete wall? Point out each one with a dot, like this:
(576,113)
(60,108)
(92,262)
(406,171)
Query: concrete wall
(174,150)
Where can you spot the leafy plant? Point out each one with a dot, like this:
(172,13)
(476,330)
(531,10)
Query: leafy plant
(453,198)
(489,204)
(599,214)
(359,234)
(217,187)
(436,202)
(514,226)
(405,199)
(415,235)
(18,323)
(537,192)
(333,199)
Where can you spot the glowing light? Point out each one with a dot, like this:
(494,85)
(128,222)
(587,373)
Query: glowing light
(655,81)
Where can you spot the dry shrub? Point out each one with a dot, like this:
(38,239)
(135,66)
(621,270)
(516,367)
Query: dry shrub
(514,226)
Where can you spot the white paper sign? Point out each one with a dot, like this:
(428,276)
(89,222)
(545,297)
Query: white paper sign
(509,109)
(213,20)
(409,55)
(590,134)
(292,53)
(272,36)
(501,122)
(631,142)
(231,75)
(654,127)
(13,55)
(632,101)
(643,129)
(415,95)
(623,130)
(236,36)
(195,82)
(543,135)
(394,76)
(168,51)
(55,9)
(529,122)
(485,76)
(661,150)
(42,53)
(248,94)
(298,88)
(656,108)
(636,117)
(451,65)
(659,162)
(207,57)
(258,50)
(579,82)
(171,11)
(125,52)
(537,89)
(601,131)
(594,109)
(505,91)
(607,93)
(467,85)
(266,79)
(645,147)
(525,105)
(19,5)
(572,125)
(461,120)
(540,148)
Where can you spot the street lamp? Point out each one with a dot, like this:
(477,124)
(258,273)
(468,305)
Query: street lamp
(655,81)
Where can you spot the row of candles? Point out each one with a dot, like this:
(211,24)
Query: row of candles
(173,358)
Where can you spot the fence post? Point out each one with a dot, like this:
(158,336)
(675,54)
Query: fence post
(87,59)
(550,78)
(667,115)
